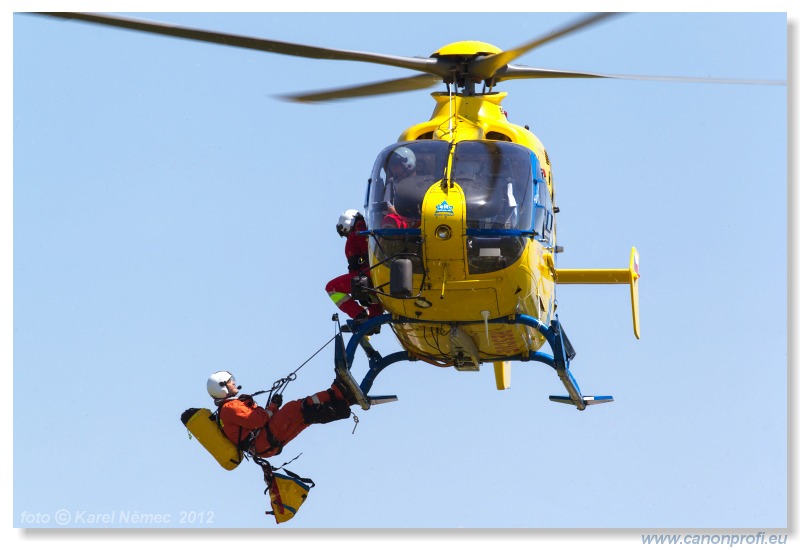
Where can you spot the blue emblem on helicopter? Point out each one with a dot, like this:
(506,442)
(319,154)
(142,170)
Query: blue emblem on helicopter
(443,209)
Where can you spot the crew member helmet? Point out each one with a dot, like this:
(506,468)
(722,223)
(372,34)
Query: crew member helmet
(217,384)
(404,156)
(347,221)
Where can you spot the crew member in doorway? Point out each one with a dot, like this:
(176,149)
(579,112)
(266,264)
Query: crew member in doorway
(356,249)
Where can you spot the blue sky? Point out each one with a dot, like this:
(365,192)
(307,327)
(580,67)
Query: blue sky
(172,218)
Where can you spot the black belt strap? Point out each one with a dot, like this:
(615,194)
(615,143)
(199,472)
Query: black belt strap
(273,441)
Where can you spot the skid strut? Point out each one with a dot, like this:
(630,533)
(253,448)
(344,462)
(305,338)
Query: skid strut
(562,355)
(343,360)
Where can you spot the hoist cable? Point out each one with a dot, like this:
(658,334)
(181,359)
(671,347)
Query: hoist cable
(280,385)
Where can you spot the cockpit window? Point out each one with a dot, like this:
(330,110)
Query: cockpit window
(402,174)
(497,179)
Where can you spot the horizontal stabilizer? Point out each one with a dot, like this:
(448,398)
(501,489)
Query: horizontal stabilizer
(379,399)
(629,276)
(587,399)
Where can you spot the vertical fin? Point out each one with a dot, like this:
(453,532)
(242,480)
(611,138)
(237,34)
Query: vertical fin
(502,374)
(634,279)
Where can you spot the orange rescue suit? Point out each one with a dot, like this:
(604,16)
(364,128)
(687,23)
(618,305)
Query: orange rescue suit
(274,426)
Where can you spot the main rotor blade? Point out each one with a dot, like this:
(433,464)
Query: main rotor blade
(486,67)
(431,66)
(417,82)
(518,71)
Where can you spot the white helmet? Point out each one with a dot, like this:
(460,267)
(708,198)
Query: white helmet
(217,384)
(405,156)
(347,221)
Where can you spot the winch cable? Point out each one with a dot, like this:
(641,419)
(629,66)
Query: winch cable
(280,385)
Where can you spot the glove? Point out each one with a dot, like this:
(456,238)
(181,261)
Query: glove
(277,400)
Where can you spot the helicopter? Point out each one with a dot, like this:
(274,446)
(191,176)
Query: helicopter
(468,270)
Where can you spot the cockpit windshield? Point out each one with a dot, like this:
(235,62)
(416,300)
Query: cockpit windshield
(507,200)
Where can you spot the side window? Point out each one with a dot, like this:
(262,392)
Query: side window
(548,213)
(543,217)
(538,210)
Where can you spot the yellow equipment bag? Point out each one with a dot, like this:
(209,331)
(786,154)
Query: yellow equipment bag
(286,494)
(202,424)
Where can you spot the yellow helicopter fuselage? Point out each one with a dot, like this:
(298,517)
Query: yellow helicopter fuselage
(452,288)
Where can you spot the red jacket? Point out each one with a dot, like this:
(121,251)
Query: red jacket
(356,249)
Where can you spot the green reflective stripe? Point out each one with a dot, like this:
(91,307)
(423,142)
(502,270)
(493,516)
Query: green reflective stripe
(338,297)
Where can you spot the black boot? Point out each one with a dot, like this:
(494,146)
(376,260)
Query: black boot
(322,413)
(345,389)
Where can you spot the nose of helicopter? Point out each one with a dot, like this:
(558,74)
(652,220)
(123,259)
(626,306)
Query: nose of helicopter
(443,228)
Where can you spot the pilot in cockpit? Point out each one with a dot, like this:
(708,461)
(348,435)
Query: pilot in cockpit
(401,165)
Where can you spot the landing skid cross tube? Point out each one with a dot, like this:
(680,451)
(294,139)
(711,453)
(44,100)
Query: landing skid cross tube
(554,334)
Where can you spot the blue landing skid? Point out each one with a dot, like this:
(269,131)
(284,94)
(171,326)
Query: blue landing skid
(554,334)
(587,399)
